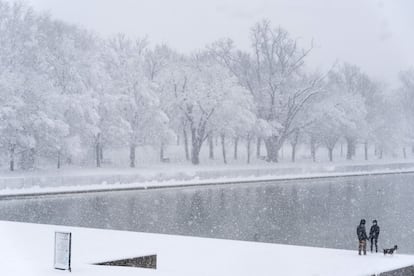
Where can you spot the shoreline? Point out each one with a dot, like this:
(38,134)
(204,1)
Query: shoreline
(33,192)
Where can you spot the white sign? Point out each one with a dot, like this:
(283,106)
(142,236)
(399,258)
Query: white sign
(63,242)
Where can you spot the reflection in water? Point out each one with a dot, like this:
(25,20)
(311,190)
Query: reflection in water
(309,212)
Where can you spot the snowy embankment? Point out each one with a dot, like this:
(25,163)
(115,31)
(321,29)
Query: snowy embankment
(83,180)
(27,250)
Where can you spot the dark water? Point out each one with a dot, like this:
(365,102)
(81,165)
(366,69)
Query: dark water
(321,213)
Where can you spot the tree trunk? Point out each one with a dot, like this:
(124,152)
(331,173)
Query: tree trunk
(293,152)
(210,147)
(366,150)
(350,148)
(236,145)
(195,156)
(132,148)
(12,151)
(97,155)
(293,142)
(31,158)
(330,152)
(58,159)
(187,153)
(354,149)
(98,150)
(313,149)
(101,153)
(162,152)
(342,149)
(178,140)
(258,147)
(195,148)
(380,153)
(404,153)
(223,147)
(249,141)
(272,147)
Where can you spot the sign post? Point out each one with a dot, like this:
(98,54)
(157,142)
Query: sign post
(63,244)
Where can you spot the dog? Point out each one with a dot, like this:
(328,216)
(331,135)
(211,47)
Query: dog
(390,251)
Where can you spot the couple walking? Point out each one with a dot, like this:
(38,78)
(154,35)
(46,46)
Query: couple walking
(362,236)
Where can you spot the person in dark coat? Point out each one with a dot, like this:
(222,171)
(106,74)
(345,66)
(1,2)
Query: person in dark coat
(362,237)
(373,235)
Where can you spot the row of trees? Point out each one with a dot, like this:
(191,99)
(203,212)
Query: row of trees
(66,92)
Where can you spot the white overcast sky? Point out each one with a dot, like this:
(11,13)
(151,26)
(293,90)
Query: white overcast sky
(377,35)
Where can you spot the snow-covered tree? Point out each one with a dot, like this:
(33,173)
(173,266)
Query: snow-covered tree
(328,118)
(234,118)
(274,73)
(349,84)
(399,105)
(197,90)
(125,63)
(69,58)
(66,94)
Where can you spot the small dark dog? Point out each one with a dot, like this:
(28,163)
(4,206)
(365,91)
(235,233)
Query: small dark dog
(390,251)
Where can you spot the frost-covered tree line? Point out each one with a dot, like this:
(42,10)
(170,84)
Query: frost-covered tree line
(66,93)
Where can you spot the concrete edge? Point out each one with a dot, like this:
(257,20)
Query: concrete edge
(403,271)
(189,185)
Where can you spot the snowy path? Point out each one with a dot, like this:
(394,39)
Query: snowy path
(27,249)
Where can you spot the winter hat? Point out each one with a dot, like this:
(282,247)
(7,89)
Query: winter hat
(374,221)
(362,221)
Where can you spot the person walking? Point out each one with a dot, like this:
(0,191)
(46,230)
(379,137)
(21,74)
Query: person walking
(362,237)
(373,235)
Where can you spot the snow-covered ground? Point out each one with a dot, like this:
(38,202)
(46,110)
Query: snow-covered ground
(27,250)
(81,180)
